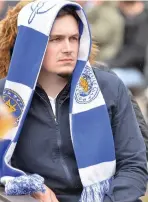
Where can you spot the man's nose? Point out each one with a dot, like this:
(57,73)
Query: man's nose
(67,46)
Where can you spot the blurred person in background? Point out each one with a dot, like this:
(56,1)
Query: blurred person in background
(107,28)
(130,60)
(3,8)
(4,5)
(87,5)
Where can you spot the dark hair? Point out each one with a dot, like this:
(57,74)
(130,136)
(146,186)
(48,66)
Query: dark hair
(68,10)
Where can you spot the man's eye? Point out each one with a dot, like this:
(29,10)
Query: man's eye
(55,40)
(74,38)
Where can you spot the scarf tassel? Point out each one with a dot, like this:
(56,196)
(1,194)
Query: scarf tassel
(95,192)
(24,185)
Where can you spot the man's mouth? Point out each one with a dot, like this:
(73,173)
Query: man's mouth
(66,60)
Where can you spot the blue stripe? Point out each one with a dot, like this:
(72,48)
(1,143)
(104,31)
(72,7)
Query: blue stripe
(23,118)
(3,147)
(93,145)
(81,27)
(27,56)
(4,169)
(9,171)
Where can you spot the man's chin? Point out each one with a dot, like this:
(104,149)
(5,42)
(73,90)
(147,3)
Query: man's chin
(64,75)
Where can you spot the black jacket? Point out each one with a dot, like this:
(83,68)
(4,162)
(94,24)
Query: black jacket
(133,51)
(45,146)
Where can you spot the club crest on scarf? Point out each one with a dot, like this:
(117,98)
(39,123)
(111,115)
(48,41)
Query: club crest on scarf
(87,88)
(38,8)
(14,103)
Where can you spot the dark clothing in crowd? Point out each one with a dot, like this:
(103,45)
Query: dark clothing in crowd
(47,146)
(133,51)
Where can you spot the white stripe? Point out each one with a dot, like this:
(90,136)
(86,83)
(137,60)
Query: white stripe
(9,152)
(39,21)
(97,173)
(85,38)
(10,134)
(23,91)
(98,101)
(4,180)
(8,155)
(93,98)
(42,21)
(70,124)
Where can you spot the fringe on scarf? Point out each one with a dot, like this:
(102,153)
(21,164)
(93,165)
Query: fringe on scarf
(95,192)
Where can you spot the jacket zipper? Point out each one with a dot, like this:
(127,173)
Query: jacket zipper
(59,140)
(69,177)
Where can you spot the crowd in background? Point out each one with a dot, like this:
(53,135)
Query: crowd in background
(120,30)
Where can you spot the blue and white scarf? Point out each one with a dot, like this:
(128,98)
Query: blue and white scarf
(90,127)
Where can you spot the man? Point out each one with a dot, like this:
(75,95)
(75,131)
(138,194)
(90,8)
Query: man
(63,130)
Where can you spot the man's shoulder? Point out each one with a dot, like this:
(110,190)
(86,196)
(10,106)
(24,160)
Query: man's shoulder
(110,84)
(2,83)
(106,77)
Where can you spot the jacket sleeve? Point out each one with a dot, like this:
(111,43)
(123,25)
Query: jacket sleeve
(130,179)
(142,124)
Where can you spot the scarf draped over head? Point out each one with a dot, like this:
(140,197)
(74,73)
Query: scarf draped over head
(90,128)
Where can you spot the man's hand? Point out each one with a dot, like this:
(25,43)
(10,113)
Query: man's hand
(48,196)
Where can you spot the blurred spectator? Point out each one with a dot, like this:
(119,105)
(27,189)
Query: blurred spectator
(87,5)
(4,5)
(133,52)
(3,8)
(107,28)
(130,60)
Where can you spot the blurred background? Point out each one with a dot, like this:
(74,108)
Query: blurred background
(120,30)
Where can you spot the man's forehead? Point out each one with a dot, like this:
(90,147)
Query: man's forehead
(66,25)
(76,34)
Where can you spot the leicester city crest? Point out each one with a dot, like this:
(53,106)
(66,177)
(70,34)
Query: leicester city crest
(14,103)
(87,88)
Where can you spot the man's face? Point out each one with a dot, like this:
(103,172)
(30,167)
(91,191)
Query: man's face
(62,51)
